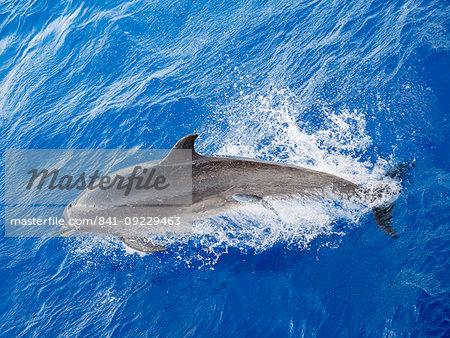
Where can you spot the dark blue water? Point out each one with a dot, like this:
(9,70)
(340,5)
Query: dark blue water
(347,87)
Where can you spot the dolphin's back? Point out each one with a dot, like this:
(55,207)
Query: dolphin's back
(267,179)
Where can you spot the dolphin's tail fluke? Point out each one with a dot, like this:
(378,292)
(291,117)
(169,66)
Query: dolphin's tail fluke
(383,218)
(401,171)
(383,213)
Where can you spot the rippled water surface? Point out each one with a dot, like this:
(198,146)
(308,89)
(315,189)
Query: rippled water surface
(346,87)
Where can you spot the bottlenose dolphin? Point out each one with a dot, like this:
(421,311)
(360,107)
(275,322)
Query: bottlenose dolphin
(220,184)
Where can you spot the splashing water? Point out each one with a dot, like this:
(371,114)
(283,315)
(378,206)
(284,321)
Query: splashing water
(266,127)
(269,129)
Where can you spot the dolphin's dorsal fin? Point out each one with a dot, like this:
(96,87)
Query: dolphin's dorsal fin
(186,143)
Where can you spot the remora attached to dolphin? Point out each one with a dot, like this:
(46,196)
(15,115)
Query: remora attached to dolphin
(220,184)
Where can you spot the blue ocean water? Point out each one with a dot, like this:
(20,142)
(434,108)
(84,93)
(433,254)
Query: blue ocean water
(347,87)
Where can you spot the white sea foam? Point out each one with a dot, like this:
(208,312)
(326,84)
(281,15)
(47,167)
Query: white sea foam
(269,126)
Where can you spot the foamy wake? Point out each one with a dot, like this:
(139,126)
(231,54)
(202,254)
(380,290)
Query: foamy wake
(275,127)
